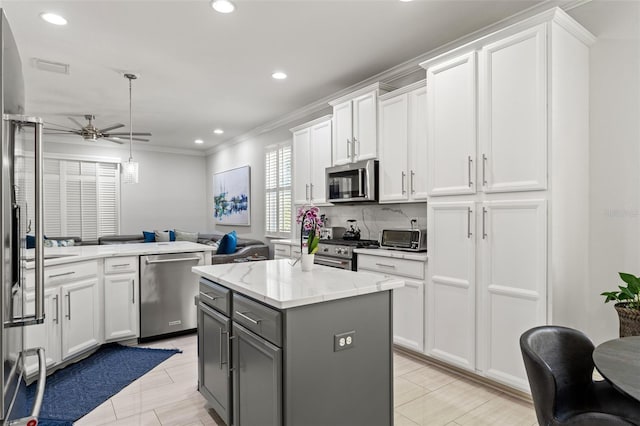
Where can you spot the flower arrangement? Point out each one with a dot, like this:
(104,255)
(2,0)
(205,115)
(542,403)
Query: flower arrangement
(309,220)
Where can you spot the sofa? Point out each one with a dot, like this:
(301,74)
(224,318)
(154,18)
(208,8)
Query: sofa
(245,248)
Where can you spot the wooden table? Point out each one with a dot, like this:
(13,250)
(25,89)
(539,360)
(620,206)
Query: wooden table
(618,361)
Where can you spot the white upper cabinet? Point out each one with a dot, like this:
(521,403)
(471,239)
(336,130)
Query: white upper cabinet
(513,112)
(311,156)
(301,153)
(355,125)
(451,126)
(403,155)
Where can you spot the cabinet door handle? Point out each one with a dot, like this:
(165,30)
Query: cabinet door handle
(469,163)
(413,190)
(384,265)
(243,315)
(306,192)
(310,191)
(469,211)
(484,171)
(220,350)
(349,150)
(484,215)
(404,175)
(68,296)
(56,320)
(355,141)
(62,275)
(229,339)
(133,292)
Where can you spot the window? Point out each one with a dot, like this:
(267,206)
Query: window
(81,198)
(278,190)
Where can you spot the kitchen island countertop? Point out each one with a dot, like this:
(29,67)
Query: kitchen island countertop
(279,284)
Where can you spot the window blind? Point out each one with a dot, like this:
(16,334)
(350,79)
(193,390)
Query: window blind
(278,189)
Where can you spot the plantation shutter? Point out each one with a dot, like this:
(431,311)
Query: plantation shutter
(108,198)
(278,189)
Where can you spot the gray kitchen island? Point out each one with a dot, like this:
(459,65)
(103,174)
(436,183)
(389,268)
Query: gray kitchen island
(278,346)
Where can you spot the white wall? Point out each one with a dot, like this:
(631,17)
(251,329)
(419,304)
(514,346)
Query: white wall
(614,154)
(171,193)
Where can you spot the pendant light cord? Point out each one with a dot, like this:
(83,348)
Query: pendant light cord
(130,124)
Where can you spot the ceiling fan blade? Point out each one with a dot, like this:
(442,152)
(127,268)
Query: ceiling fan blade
(121,138)
(113,126)
(114,140)
(46,123)
(76,122)
(134,134)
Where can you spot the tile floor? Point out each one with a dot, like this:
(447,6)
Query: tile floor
(424,395)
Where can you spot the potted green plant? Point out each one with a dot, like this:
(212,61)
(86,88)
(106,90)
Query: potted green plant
(627,304)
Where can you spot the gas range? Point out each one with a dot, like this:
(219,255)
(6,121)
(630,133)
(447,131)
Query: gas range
(339,253)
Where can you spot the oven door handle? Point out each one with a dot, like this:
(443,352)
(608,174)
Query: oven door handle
(324,261)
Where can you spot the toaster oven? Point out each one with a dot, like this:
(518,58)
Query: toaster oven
(404,239)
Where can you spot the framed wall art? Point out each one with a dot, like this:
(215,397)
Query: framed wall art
(232,197)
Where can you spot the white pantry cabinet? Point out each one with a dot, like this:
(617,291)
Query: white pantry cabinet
(403,147)
(508,225)
(408,301)
(355,125)
(311,156)
(121,298)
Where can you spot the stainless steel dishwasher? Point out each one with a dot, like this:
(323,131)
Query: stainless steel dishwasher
(167,291)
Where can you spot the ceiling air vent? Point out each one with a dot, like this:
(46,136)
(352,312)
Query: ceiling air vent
(50,66)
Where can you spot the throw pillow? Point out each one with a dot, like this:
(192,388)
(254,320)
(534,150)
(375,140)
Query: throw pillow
(149,237)
(186,236)
(31,241)
(59,243)
(228,243)
(162,236)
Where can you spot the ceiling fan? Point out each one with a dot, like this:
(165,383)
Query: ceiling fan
(92,133)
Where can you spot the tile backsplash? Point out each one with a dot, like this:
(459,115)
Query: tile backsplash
(372,218)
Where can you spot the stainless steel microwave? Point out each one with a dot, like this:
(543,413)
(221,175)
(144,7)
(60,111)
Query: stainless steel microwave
(354,182)
(404,239)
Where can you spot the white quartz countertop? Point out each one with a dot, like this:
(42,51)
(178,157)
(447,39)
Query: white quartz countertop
(396,254)
(62,255)
(278,284)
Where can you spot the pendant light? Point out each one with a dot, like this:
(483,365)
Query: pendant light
(130,168)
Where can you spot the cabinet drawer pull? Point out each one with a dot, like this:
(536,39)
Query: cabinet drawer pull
(120,265)
(384,265)
(68,296)
(484,172)
(243,315)
(210,297)
(56,319)
(62,275)
(279,250)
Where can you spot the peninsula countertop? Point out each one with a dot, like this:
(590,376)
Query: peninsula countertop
(63,255)
(279,284)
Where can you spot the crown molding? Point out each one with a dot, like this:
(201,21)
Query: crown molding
(319,120)
(405,89)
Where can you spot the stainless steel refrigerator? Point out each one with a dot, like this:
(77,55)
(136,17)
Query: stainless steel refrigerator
(21,213)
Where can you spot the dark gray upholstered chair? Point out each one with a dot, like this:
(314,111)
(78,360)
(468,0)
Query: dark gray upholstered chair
(560,366)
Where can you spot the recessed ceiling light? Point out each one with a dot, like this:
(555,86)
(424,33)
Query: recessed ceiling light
(223,6)
(279,75)
(199,141)
(405,1)
(218,131)
(54,19)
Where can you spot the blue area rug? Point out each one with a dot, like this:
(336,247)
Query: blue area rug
(79,388)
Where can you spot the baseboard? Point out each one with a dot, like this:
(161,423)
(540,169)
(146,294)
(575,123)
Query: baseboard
(522,396)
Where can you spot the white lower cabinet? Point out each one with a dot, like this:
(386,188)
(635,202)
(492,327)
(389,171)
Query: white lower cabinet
(46,335)
(281,251)
(80,317)
(121,307)
(408,301)
(477,312)
(121,298)
(513,284)
(451,288)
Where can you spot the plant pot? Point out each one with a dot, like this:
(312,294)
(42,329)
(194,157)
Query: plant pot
(629,319)
(306,263)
